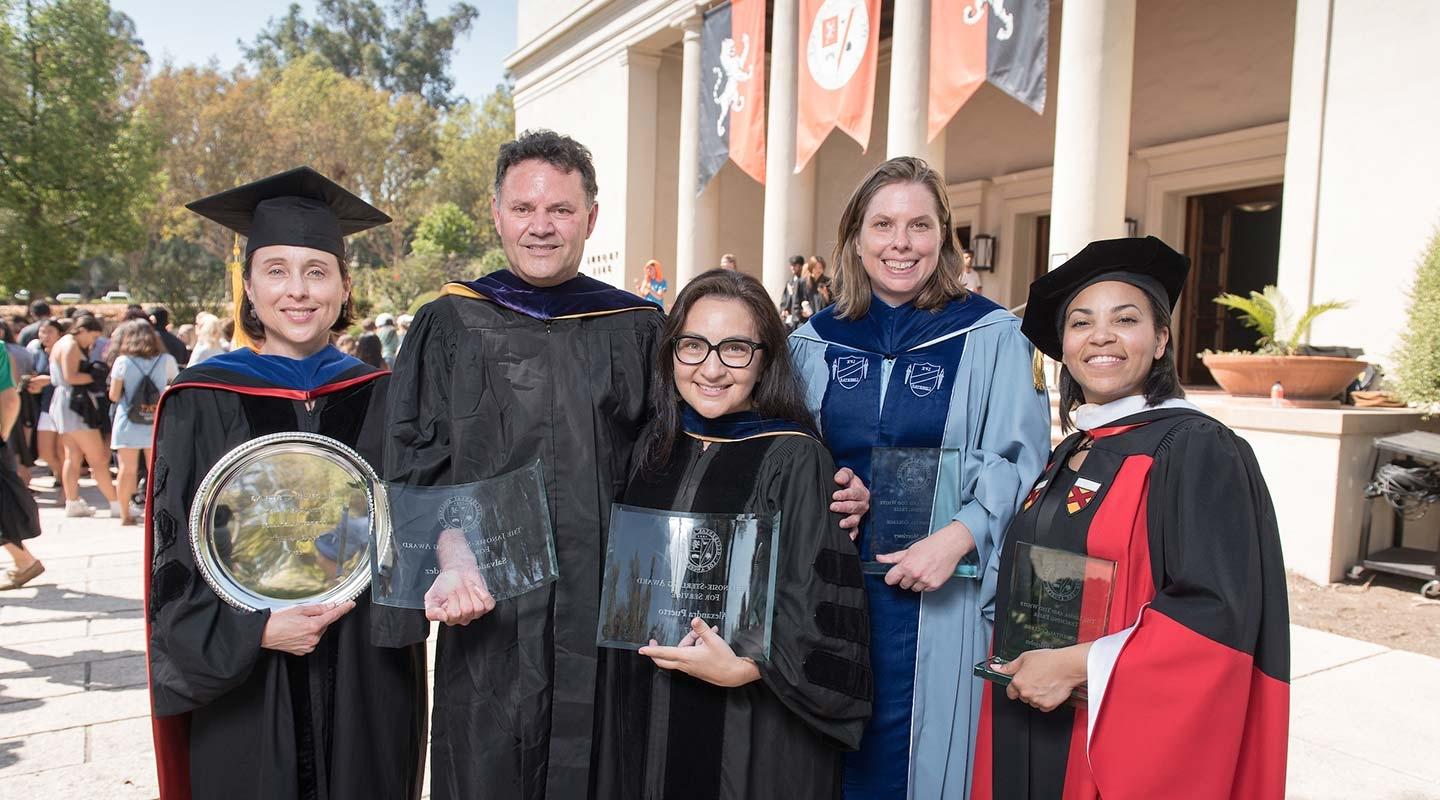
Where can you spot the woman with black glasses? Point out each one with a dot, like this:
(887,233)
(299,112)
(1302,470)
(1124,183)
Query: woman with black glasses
(731,435)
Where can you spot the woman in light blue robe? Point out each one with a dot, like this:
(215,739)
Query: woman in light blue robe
(907,358)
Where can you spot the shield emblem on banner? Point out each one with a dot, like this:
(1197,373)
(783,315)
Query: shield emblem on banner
(1080,495)
(923,379)
(849,371)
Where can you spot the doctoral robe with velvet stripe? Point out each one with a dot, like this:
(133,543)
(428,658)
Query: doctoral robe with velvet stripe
(493,375)
(1189,688)
(235,720)
(959,379)
(663,734)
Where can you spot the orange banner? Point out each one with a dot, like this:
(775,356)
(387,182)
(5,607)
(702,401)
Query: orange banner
(747,121)
(836,72)
(957,60)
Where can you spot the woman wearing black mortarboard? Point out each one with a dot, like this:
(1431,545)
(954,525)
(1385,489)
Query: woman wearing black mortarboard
(309,701)
(1188,678)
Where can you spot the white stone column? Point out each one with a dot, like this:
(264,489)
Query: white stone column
(685,258)
(1092,124)
(909,111)
(789,198)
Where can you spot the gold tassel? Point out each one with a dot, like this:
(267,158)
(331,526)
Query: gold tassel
(1038,366)
(237,294)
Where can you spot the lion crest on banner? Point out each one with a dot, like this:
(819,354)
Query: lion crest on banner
(976,12)
(729,76)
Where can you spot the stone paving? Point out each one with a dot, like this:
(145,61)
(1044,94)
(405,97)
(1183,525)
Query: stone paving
(1365,720)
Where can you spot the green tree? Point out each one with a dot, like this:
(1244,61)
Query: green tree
(399,49)
(446,231)
(469,142)
(184,276)
(1417,360)
(75,159)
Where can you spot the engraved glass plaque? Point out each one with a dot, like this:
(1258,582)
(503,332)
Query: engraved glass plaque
(286,519)
(664,568)
(499,526)
(1057,599)
(902,504)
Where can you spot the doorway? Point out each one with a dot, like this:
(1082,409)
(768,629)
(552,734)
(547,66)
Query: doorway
(1233,241)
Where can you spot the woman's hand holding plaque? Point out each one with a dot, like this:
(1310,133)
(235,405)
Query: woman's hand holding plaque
(297,629)
(928,563)
(703,654)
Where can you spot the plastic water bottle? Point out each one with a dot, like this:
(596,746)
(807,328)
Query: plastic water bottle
(1277,394)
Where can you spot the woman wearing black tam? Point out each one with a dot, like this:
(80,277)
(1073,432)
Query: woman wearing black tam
(1187,667)
(310,701)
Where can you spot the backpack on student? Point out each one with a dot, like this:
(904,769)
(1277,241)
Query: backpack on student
(142,404)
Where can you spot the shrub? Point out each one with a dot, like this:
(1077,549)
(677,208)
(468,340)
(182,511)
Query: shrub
(1417,359)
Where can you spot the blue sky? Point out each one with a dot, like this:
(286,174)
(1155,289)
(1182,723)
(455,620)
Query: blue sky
(193,33)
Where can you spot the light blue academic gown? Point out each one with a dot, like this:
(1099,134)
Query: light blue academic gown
(960,379)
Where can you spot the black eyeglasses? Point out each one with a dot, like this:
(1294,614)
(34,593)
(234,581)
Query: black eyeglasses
(734,353)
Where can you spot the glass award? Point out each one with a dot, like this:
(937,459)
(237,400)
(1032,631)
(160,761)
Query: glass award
(286,519)
(1057,599)
(903,481)
(499,527)
(664,568)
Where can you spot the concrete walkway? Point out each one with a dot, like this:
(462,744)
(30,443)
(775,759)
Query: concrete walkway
(73,708)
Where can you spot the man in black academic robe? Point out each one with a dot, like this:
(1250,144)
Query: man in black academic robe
(533,362)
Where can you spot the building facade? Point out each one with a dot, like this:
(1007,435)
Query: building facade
(1274,141)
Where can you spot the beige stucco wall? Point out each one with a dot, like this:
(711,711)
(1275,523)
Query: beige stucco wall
(534,17)
(1372,126)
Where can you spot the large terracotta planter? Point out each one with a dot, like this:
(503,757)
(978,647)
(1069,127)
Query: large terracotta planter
(1304,377)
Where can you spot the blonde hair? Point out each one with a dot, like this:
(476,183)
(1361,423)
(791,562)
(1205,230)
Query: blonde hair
(852,285)
(210,331)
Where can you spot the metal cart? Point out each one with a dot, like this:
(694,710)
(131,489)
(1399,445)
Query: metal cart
(1407,449)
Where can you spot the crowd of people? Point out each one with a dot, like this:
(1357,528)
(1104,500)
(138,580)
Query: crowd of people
(87,389)
(727,406)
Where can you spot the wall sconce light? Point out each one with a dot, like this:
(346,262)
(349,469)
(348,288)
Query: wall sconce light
(984,248)
(1132,227)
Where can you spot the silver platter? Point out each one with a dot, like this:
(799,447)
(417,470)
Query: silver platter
(287,519)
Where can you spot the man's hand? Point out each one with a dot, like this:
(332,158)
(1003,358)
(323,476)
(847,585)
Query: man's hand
(927,564)
(458,597)
(704,655)
(1045,678)
(297,630)
(853,500)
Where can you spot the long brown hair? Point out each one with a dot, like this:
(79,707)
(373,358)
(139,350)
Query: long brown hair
(777,392)
(137,339)
(852,285)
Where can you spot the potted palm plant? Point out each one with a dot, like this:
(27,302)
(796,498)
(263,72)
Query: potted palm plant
(1278,356)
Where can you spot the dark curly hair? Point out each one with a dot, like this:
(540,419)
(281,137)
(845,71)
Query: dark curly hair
(557,150)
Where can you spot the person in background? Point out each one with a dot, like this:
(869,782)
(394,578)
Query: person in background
(402,327)
(969,277)
(345,343)
(227,327)
(186,334)
(793,298)
(369,350)
(39,312)
(906,358)
(727,261)
(652,285)
(47,442)
(142,359)
(389,337)
(817,285)
(209,339)
(22,434)
(135,311)
(73,372)
(19,516)
(160,318)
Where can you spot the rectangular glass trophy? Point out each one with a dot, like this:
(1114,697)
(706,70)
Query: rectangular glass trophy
(1057,599)
(664,568)
(903,481)
(500,526)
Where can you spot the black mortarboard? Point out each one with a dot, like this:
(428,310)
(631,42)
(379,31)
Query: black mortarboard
(300,207)
(1147,263)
